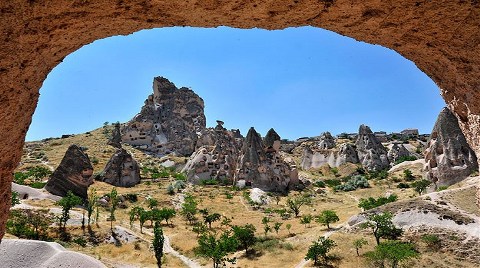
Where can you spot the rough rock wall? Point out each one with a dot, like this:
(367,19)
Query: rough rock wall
(441,37)
(168,122)
(371,153)
(264,167)
(448,157)
(215,161)
(75,173)
(121,170)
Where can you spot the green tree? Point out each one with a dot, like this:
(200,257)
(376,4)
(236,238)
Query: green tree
(143,217)
(391,253)
(90,204)
(408,175)
(189,209)
(15,200)
(67,203)
(29,223)
(288,226)
(318,251)
(152,203)
(113,205)
(276,226)
(135,214)
(295,203)
(326,217)
(369,203)
(158,240)
(167,214)
(359,243)
(382,226)
(421,185)
(215,248)
(306,220)
(245,236)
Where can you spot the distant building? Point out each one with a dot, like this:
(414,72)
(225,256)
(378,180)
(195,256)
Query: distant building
(410,132)
(381,136)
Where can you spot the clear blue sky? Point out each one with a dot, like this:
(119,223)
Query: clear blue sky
(300,81)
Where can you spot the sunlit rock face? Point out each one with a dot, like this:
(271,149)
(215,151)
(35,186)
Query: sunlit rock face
(75,173)
(396,152)
(440,37)
(217,158)
(121,170)
(371,153)
(449,159)
(169,122)
(264,167)
(326,152)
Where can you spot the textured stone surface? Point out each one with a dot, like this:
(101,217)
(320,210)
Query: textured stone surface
(168,122)
(441,37)
(116,138)
(121,170)
(397,151)
(371,153)
(271,137)
(449,159)
(217,161)
(264,167)
(75,173)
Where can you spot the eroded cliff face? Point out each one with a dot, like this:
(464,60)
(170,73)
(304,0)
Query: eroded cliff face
(441,37)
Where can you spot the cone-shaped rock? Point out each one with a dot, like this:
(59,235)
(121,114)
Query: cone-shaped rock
(75,173)
(121,170)
(271,137)
(371,153)
(397,151)
(449,159)
(326,141)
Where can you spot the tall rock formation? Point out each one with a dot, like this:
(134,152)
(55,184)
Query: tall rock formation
(271,137)
(264,167)
(169,122)
(215,161)
(75,173)
(121,170)
(397,151)
(371,153)
(116,138)
(449,159)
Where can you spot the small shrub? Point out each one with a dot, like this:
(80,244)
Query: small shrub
(403,185)
(405,158)
(37,185)
(80,241)
(371,202)
(332,182)
(209,182)
(432,241)
(357,181)
(319,183)
(441,188)
(171,189)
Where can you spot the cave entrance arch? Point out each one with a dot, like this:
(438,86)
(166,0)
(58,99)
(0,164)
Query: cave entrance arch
(441,37)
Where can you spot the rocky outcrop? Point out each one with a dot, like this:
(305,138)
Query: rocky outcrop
(217,161)
(75,173)
(116,138)
(449,159)
(264,167)
(397,151)
(371,153)
(168,122)
(326,152)
(121,170)
(271,137)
